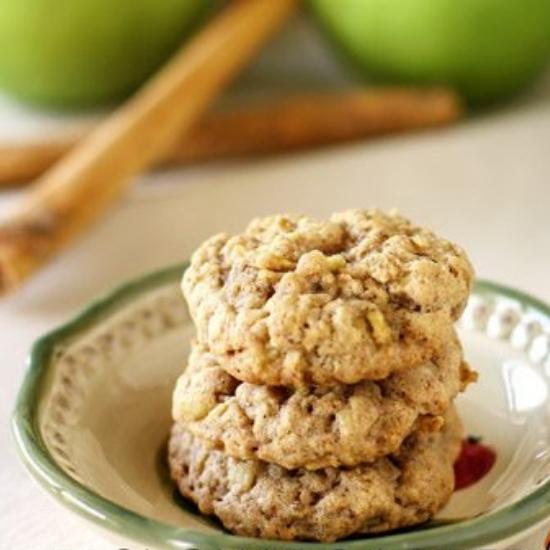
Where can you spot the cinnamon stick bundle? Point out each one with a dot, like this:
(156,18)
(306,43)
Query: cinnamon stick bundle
(77,190)
(299,122)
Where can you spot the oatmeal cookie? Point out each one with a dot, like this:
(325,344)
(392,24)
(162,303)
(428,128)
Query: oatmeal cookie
(315,427)
(296,301)
(257,499)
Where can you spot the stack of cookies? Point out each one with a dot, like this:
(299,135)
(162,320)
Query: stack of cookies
(318,397)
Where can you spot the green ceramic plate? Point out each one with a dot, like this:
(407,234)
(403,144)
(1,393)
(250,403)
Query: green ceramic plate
(93,415)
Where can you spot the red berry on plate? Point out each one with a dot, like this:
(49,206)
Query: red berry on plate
(474,463)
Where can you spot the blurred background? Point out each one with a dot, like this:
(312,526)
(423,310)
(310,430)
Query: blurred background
(482,180)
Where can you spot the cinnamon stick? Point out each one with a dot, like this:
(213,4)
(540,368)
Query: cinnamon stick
(314,120)
(79,188)
(299,122)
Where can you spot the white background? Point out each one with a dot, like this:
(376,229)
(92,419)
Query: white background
(484,183)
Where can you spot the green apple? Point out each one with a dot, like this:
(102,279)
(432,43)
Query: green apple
(487,49)
(73,53)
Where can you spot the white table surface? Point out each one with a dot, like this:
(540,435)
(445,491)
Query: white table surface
(484,184)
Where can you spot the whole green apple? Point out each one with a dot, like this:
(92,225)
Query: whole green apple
(73,53)
(487,49)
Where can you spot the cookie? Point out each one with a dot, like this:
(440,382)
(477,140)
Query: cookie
(257,499)
(315,427)
(295,301)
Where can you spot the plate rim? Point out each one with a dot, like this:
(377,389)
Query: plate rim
(508,521)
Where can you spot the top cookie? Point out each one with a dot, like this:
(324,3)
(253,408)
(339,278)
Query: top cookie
(295,301)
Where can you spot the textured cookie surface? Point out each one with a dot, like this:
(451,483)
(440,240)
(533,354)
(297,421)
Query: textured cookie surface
(315,427)
(294,300)
(258,499)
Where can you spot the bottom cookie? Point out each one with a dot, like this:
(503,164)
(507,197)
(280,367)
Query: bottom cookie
(257,499)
